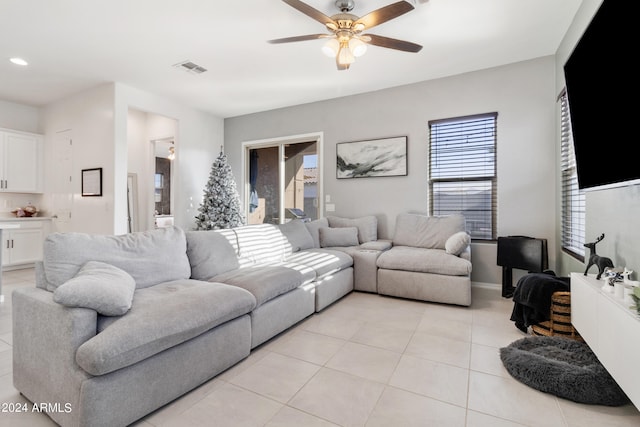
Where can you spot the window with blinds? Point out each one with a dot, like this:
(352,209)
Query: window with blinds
(573,199)
(462,173)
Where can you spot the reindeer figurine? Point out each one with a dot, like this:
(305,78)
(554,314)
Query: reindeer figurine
(595,259)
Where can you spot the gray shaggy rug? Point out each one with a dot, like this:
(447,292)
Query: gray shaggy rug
(563,367)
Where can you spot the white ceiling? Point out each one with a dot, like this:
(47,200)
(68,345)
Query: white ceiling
(72,45)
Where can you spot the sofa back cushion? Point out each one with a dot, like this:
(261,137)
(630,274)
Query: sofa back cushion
(430,232)
(150,257)
(297,236)
(212,252)
(367,226)
(314,229)
(260,244)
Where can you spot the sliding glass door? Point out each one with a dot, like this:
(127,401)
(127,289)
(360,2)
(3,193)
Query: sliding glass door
(282,182)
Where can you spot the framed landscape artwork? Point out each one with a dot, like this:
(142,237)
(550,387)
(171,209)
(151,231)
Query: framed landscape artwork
(375,157)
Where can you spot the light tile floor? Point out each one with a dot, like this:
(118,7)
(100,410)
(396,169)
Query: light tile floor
(368,360)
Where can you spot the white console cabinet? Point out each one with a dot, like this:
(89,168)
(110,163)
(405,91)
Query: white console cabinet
(20,162)
(611,328)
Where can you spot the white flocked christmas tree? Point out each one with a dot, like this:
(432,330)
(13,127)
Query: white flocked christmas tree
(220,207)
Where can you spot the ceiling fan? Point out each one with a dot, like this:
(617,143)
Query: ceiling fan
(346,40)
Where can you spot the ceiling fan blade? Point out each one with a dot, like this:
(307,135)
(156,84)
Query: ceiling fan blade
(310,11)
(385,14)
(299,38)
(391,43)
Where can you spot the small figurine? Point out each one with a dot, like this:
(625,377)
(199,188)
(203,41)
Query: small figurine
(613,275)
(595,259)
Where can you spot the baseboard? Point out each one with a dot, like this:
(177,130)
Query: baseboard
(486,285)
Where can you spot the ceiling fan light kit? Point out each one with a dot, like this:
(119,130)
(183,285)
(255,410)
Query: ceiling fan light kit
(345,56)
(331,48)
(346,41)
(357,47)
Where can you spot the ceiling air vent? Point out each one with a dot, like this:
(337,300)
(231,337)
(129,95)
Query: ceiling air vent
(190,67)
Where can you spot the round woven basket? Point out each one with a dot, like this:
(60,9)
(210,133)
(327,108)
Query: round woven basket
(560,319)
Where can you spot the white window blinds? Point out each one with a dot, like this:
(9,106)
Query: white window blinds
(573,199)
(462,173)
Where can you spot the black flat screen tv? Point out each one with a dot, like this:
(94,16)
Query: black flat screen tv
(601,83)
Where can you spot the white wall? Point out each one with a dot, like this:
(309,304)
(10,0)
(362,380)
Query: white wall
(523,94)
(98,119)
(198,140)
(89,117)
(613,211)
(138,163)
(20,117)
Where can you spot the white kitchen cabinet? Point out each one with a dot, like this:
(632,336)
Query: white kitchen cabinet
(611,328)
(23,245)
(20,162)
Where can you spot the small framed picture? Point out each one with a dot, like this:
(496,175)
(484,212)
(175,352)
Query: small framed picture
(92,182)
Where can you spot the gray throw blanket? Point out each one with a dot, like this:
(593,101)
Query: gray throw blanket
(532,298)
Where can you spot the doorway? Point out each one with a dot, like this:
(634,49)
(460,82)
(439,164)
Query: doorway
(149,137)
(62,183)
(283,180)
(163,182)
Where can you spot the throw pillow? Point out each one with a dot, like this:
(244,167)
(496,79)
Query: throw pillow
(338,237)
(457,243)
(367,226)
(99,286)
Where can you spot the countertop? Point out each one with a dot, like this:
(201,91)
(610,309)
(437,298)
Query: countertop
(31,218)
(7,225)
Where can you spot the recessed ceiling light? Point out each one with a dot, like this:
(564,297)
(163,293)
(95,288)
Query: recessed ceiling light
(19,61)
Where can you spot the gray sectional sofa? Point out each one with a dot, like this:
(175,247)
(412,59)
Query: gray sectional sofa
(118,326)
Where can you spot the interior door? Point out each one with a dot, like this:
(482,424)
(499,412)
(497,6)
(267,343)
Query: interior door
(62,182)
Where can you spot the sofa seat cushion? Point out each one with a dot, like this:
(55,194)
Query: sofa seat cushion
(266,282)
(421,260)
(322,261)
(161,317)
(378,245)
